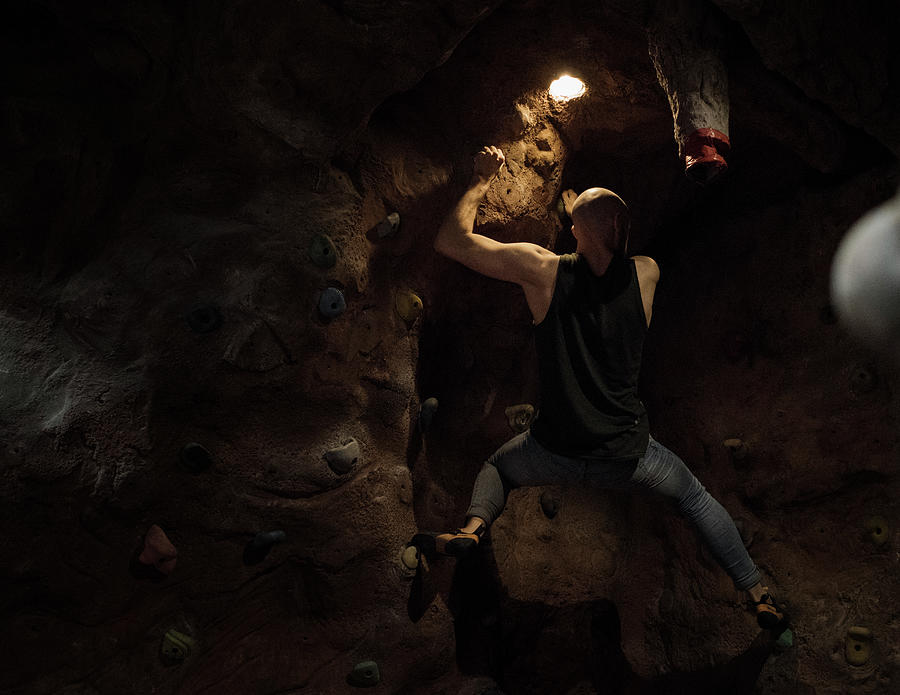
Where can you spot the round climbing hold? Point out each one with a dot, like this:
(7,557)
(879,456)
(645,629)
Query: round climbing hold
(176,646)
(388,226)
(519,417)
(332,303)
(409,305)
(410,557)
(341,459)
(364,675)
(427,412)
(204,318)
(549,504)
(322,251)
(863,379)
(877,526)
(195,457)
(256,550)
(857,647)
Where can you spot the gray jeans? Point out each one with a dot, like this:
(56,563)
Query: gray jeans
(523,462)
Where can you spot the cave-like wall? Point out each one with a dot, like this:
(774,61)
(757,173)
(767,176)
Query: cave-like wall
(188,187)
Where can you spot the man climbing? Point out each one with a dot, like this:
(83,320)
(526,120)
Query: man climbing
(591,312)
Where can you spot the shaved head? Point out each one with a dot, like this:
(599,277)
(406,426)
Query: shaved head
(603,217)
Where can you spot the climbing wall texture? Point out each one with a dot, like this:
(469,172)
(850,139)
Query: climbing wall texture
(221,314)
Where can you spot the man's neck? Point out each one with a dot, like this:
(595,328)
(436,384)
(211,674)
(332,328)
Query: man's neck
(597,259)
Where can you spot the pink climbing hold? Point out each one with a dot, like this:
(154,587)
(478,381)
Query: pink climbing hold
(158,550)
(704,154)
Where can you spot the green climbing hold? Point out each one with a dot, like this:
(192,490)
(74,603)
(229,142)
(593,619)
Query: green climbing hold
(176,646)
(364,675)
(322,251)
(877,527)
(858,645)
(785,640)
(561,209)
(519,417)
(409,305)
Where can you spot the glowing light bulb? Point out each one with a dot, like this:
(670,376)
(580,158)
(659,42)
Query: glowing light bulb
(566,88)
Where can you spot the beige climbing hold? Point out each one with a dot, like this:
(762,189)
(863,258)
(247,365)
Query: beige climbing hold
(858,646)
(410,557)
(409,305)
(519,417)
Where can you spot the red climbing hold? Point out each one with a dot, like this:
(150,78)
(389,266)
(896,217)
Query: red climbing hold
(158,550)
(704,154)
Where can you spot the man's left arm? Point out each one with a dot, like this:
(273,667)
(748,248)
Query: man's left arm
(521,262)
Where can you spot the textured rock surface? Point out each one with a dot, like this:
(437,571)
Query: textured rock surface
(169,167)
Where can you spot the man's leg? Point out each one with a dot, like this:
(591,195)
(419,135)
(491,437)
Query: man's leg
(521,462)
(663,472)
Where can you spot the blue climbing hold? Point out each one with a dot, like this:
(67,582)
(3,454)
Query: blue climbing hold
(342,458)
(332,303)
(427,412)
(257,549)
(204,318)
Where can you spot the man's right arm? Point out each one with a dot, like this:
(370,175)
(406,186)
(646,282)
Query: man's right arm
(520,262)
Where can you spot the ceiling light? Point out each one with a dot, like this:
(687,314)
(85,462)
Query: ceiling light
(566,88)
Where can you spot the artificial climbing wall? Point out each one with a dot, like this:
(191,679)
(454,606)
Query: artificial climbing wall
(222,316)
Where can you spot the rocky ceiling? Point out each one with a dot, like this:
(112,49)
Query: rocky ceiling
(221,315)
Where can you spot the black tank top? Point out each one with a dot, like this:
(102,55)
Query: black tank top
(589,356)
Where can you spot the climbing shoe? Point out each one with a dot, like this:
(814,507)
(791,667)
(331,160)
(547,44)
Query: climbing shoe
(455,544)
(769,614)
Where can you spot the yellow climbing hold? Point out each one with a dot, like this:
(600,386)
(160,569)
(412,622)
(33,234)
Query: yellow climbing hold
(737,447)
(858,645)
(409,305)
(877,526)
(176,645)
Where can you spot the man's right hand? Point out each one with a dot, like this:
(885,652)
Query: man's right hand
(487,163)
